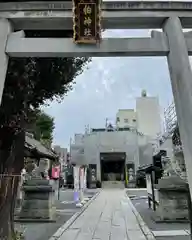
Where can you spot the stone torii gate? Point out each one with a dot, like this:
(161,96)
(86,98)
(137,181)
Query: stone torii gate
(172,17)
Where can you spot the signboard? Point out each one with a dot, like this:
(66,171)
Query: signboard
(86,21)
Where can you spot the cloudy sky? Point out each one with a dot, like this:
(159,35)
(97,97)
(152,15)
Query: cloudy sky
(107,85)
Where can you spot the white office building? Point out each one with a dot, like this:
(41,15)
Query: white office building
(148,115)
(126,118)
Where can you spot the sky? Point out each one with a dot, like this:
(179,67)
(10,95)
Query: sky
(106,85)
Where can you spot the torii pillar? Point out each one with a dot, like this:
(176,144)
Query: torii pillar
(181,81)
(5,29)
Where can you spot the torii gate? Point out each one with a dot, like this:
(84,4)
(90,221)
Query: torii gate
(172,43)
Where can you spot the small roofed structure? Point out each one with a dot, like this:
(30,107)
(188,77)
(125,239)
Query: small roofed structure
(35,149)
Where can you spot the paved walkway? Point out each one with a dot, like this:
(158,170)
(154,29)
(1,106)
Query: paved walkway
(109,217)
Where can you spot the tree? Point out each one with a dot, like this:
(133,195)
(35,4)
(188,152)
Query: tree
(42,126)
(29,84)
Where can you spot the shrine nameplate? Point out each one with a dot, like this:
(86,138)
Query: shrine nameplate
(86,21)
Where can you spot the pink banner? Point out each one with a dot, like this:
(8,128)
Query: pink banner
(56,172)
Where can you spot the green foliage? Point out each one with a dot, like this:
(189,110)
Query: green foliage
(42,126)
(31,82)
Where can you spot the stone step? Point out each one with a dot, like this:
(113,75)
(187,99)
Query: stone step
(113,184)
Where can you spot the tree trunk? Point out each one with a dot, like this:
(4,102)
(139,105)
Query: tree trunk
(11,164)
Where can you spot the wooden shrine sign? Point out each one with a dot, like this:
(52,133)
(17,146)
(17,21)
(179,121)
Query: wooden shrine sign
(86,21)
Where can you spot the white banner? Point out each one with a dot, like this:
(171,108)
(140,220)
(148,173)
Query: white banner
(76,177)
(81,178)
(85,178)
(81,184)
(76,183)
(149,183)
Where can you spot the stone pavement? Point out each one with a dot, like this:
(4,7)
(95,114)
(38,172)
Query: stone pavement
(109,216)
(65,210)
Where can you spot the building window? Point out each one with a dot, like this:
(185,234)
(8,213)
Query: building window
(126,120)
(134,120)
(118,120)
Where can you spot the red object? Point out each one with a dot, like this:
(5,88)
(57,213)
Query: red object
(56,172)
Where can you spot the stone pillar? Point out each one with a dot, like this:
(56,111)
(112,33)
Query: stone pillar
(181,81)
(5,29)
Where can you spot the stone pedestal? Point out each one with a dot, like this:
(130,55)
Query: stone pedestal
(173,205)
(38,203)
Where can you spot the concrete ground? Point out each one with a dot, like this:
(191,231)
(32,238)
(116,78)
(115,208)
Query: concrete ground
(65,210)
(162,231)
(109,217)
